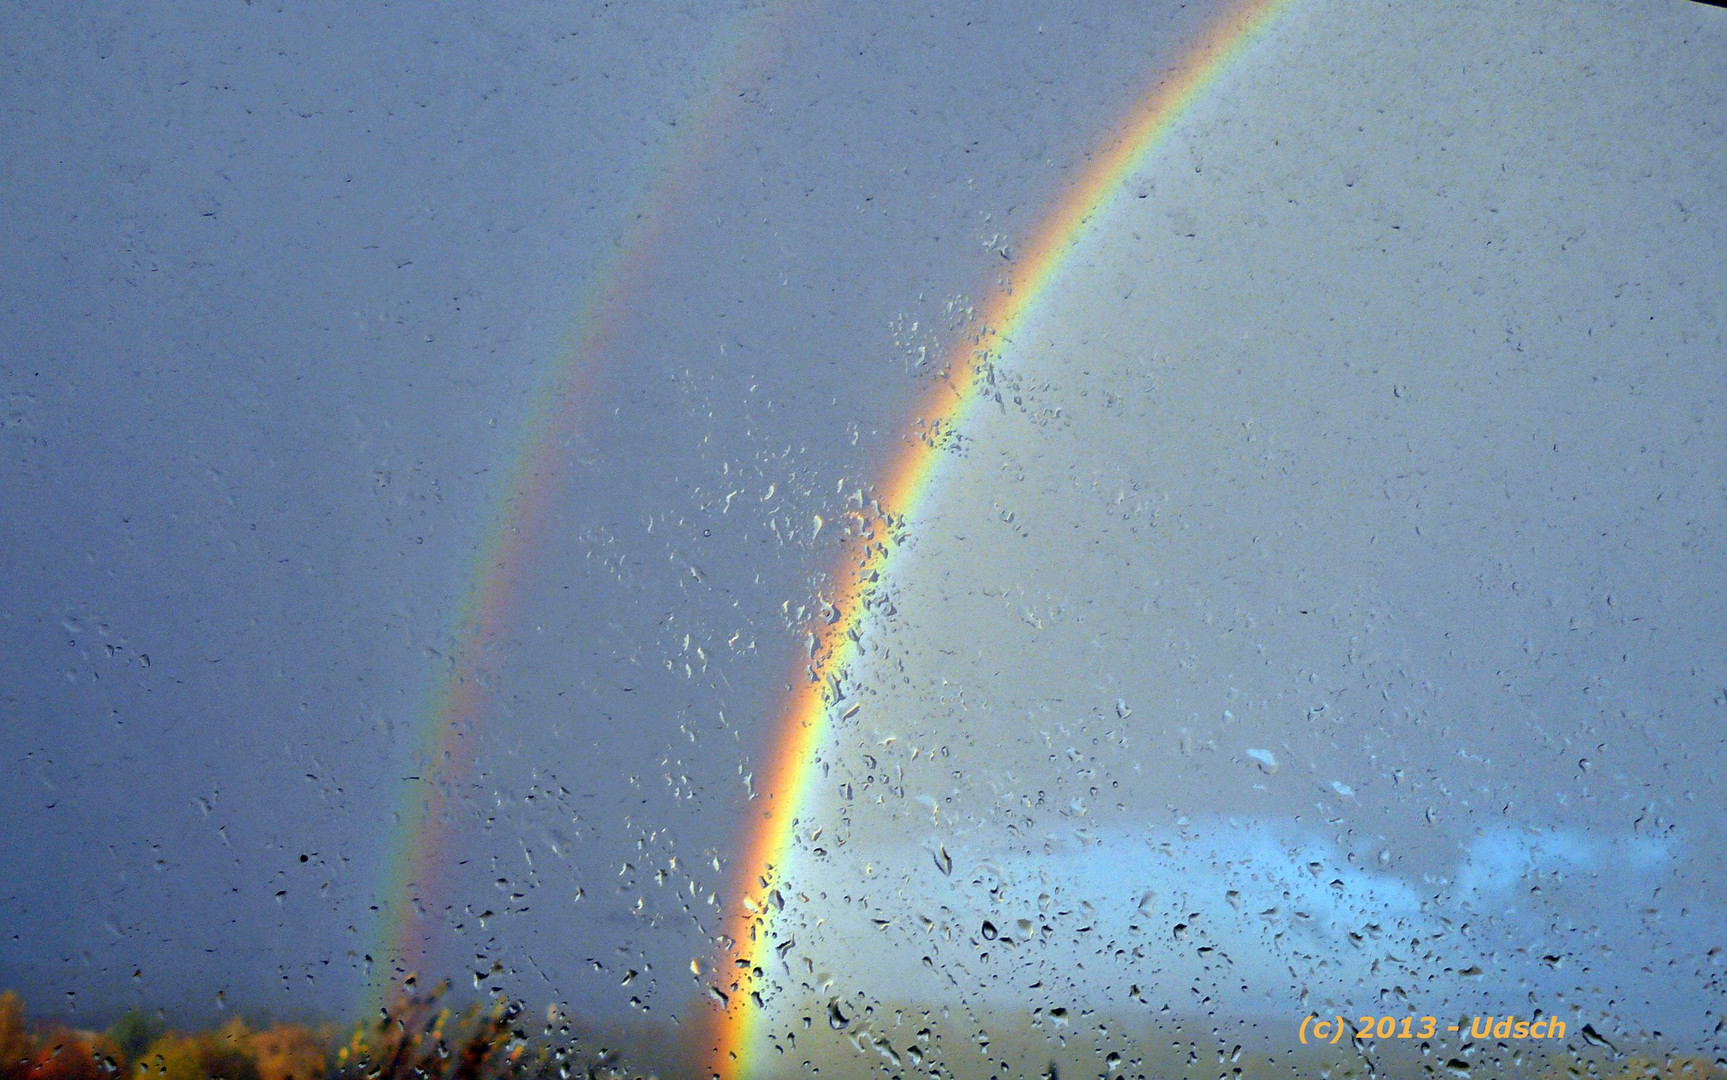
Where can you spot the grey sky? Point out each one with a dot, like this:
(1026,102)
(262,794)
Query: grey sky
(280,284)
(1327,618)
(1358,506)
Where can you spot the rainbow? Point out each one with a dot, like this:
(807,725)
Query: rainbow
(783,787)
(415,890)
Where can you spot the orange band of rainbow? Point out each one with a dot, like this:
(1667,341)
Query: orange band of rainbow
(416,887)
(783,791)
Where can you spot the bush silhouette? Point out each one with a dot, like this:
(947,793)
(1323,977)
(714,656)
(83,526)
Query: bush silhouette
(134,1032)
(223,1054)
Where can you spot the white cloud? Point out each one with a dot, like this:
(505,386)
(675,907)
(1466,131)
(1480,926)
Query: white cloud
(1501,859)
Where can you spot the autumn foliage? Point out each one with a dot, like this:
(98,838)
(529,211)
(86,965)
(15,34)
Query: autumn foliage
(422,1037)
(419,1038)
(133,1050)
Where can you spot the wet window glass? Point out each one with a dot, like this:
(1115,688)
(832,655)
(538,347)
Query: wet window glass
(773,539)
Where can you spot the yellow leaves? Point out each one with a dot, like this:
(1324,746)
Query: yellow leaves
(289,1052)
(14,1039)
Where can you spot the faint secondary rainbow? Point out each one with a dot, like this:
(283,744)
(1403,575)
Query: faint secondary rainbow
(416,888)
(806,719)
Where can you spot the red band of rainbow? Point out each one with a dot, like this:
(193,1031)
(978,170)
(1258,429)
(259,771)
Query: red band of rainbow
(783,791)
(416,889)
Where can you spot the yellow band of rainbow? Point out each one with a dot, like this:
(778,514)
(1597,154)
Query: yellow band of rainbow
(783,788)
(416,887)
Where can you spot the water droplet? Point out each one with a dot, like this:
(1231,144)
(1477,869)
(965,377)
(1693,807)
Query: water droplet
(943,861)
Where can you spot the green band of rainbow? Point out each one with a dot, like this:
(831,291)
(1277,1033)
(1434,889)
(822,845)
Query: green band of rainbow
(783,792)
(416,886)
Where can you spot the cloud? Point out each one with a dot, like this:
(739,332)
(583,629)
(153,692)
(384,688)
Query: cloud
(1501,859)
(1252,915)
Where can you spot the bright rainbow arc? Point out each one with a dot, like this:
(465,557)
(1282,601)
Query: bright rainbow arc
(415,887)
(784,791)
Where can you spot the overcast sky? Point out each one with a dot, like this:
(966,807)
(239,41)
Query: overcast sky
(282,285)
(1327,617)
(1359,505)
